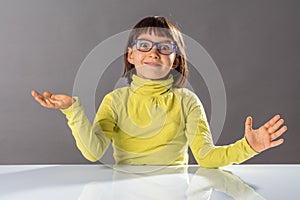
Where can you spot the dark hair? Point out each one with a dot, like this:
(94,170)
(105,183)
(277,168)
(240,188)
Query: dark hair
(159,26)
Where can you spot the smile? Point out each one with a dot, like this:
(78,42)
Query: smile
(154,64)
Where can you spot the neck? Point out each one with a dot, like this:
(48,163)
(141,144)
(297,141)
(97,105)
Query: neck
(149,87)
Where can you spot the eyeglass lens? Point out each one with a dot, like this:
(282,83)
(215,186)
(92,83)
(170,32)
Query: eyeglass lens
(162,47)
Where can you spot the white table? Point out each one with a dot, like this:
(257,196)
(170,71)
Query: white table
(190,182)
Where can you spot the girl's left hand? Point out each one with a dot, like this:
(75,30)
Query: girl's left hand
(265,136)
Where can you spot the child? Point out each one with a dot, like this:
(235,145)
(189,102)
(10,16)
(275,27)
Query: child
(152,121)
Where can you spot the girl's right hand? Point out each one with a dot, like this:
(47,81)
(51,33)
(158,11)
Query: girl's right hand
(49,100)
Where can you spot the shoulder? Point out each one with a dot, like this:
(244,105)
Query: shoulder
(118,92)
(189,99)
(114,99)
(186,95)
(117,95)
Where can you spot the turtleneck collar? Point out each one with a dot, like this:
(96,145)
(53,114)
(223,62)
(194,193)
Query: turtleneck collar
(150,87)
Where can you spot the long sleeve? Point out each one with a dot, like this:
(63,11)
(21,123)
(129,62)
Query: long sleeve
(200,141)
(91,140)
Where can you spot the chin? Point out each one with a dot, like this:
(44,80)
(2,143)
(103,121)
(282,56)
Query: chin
(153,76)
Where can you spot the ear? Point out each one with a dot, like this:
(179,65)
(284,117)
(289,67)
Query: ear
(130,56)
(175,63)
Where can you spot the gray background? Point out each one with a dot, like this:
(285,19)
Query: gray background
(255,45)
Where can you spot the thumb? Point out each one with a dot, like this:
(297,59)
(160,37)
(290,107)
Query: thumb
(248,124)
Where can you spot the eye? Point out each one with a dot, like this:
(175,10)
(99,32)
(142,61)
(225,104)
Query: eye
(144,44)
(165,47)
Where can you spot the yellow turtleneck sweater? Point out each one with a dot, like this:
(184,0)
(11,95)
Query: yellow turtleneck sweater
(150,122)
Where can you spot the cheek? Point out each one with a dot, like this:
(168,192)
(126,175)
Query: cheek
(137,57)
(140,57)
(170,60)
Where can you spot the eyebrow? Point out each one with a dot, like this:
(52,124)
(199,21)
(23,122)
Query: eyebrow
(170,41)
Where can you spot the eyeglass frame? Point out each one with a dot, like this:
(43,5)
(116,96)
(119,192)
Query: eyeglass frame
(174,46)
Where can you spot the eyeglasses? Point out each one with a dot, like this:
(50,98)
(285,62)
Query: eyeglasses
(165,48)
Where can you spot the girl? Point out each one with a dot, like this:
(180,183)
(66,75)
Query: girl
(154,119)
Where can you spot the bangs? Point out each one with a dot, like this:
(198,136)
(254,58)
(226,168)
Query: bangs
(156,31)
(157,26)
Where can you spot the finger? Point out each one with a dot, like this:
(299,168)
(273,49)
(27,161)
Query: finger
(56,103)
(45,104)
(272,121)
(248,123)
(47,94)
(277,142)
(278,133)
(39,98)
(276,126)
(50,104)
(35,94)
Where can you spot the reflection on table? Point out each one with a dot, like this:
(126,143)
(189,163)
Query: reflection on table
(147,182)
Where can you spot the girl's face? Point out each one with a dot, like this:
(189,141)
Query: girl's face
(151,64)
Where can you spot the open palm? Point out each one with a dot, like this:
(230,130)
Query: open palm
(265,136)
(49,100)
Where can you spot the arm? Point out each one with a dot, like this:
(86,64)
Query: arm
(200,140)
(205,152)
(93,140)
(211,156)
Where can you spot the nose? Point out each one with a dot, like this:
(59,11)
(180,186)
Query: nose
(153,53)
